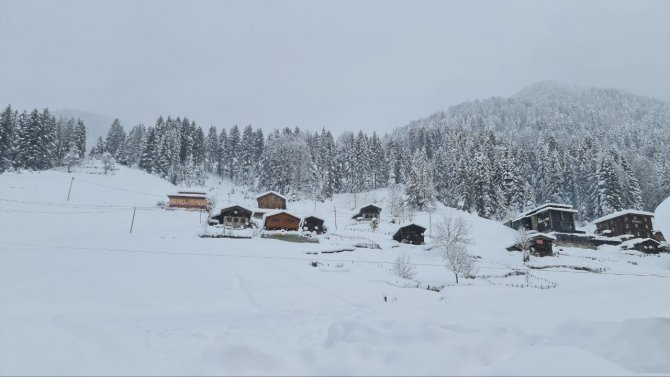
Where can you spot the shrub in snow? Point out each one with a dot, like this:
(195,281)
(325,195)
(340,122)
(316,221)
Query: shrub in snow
(107,162)
(403,267)
(524,241)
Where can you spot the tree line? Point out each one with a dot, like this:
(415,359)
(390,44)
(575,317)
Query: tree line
(36,140)
(599,150)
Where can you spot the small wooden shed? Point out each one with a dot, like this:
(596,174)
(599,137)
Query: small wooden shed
(313,224)
(281,221)
(368,213)
(541,244)
(645,245)
(271,200)
(188,200)
(411,233)
(235,216)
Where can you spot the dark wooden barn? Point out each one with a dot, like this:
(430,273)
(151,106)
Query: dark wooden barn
(313,224)
(549,217)
(635,223)
(368,213)
(411,233)
(235,216)
(281,221)
(541,245)
(271,200)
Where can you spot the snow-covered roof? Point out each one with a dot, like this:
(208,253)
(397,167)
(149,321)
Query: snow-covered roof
(546,207)
(220,208)
(271,192)
(316,217)
(190,195)
(541,235)
(636,241)
(622,213)
(276,212)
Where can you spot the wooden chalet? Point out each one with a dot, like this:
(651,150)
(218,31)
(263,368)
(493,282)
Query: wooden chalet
(313,224)
(271,200)
(549,217)
(368,213)
(541,244)
(189,200)
(235,217)
(281,221)
(411,233)
(637,224)
(645,245)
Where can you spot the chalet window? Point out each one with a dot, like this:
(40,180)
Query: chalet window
(539,242)
(275,220)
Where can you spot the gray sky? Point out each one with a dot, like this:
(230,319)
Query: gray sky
(339,64)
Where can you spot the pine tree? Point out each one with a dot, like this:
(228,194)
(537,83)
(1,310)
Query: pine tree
(79,138)
(482,183)
(149,152)
(98,149)
(231,152)
(211,150)
(420,189)
(222,161)
(630,187)
(198,146)
(608,189)
(115,137)
(7,129)
(29,153)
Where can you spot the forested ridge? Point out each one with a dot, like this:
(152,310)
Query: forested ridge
(600,150)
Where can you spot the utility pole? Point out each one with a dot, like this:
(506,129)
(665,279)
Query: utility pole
(133,220)
(335,211)
(70,189)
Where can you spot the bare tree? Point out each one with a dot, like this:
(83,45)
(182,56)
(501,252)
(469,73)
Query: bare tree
(524,241)
(452,235)
(403,267)
(452,231)
(459,262)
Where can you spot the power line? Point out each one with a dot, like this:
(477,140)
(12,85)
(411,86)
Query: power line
(202,253)
(119,189)
(61,213)
(75,205)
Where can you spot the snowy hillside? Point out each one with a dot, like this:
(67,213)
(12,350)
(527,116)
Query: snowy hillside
(82,295)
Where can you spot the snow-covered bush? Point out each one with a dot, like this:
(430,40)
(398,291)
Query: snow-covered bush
(403,267)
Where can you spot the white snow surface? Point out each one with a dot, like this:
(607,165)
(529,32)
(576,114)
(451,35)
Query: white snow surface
(80,295)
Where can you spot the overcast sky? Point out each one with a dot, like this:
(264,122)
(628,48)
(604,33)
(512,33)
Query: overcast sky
(339,64)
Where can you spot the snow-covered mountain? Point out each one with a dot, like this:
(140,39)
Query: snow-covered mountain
(81,294)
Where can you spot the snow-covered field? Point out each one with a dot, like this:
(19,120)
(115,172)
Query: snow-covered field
(80,294)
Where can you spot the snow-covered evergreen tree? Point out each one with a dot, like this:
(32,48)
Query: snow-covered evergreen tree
(115,137)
